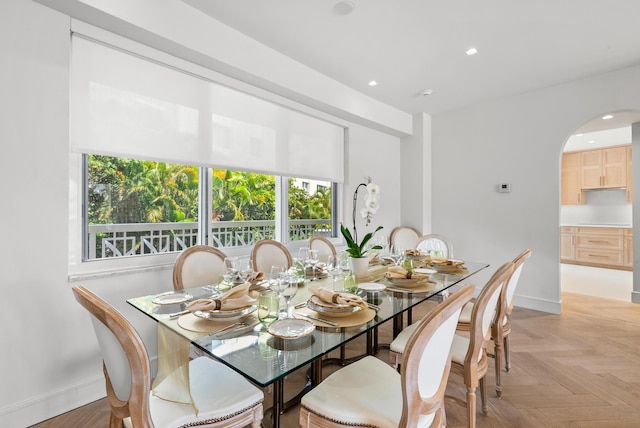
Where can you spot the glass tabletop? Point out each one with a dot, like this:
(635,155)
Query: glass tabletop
(264,359)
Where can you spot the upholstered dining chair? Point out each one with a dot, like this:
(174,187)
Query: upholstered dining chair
(404,237)
(469,354)
(324,246)
(198,265)
(369,393)
(223,397)
(501,328)
(267,252)
(433,242)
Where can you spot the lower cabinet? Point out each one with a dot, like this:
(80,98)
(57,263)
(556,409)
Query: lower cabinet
(597,246)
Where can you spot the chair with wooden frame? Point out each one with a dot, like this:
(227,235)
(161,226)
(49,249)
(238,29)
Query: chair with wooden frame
(267,252)
(469,356)
(198,265)
(433,242)
(223,397)
(404,237)
(372,394)
(501,328)
(324,246)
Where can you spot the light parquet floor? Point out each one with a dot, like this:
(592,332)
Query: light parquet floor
(580,369)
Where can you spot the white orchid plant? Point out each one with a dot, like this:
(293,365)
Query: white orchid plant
(371,205)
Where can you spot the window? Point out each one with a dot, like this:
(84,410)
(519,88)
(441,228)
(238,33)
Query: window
(138,207)
(165,154)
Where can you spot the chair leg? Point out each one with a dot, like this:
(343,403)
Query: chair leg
(498,365)
(471,407)
(115,422)
(483,395)
(507,362)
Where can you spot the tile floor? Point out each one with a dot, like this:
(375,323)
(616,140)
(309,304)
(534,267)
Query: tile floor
(592,281)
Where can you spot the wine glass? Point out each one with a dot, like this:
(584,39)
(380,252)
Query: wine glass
(275,273)
(230,272)
(312,260)
(289,291)
(334,268)
(396,253)
(245,268)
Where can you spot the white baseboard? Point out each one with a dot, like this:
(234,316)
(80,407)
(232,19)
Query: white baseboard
(46,406)
(537,304)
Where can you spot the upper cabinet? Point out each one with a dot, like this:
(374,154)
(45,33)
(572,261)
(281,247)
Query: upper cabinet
(629,180)
(604,168)
(571,179)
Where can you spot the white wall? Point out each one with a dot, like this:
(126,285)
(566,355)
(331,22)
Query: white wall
(50,361)
(516,140)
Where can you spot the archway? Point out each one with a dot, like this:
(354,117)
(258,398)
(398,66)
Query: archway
(596,217)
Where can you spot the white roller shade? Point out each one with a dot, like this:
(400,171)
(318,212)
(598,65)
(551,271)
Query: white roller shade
(129,106)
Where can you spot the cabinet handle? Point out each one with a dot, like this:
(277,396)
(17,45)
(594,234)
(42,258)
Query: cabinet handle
(597,242)
(597,255)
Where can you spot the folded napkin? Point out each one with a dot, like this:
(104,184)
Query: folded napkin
(236,298)
(442,261)
(330,296)
(318,270)
(254,277)
(412,252)
(398,272)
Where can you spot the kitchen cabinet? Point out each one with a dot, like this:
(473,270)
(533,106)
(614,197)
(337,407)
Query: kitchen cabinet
(567,244)
(604,168)
(571,177)
(628,248)
(629,180)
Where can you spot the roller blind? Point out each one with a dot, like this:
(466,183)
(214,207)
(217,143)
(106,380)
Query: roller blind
(127,105)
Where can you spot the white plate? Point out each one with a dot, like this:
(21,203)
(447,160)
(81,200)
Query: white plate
(408,282)
(172,298)
(228,315)
(291,328)
(371,286)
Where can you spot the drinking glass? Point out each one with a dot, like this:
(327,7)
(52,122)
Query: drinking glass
(275,273)
(268,307)
(312,260)
(289,291)
(245,268)
(334,268)
(396,253)
(231,270)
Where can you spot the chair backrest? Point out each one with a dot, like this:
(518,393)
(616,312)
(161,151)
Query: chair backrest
(433,242)
(427,362)
(484,312)
(324,246)
(267,253)
(198,265)
(512,284)
(404,237)
(126,362)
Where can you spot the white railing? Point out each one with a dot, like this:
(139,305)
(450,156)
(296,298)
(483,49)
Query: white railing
(121,240)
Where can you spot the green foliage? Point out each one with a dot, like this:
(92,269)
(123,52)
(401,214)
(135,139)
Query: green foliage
(353,248)
(135,191)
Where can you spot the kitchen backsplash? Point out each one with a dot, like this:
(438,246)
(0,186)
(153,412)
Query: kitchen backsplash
(601,207)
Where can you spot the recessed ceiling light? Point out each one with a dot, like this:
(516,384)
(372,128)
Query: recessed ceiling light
(472,51)
(373,83)
(609,116)
(344,8)
(591,141)
(426,92)
(578,135)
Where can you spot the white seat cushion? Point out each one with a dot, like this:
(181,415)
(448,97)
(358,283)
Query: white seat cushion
(367,392)
(400,342)
(217,391)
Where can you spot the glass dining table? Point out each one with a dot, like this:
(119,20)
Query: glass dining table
(266,360)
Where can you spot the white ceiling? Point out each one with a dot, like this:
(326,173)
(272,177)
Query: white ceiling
(411,45)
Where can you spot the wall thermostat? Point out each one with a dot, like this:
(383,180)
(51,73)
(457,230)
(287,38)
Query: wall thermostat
(504,188)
